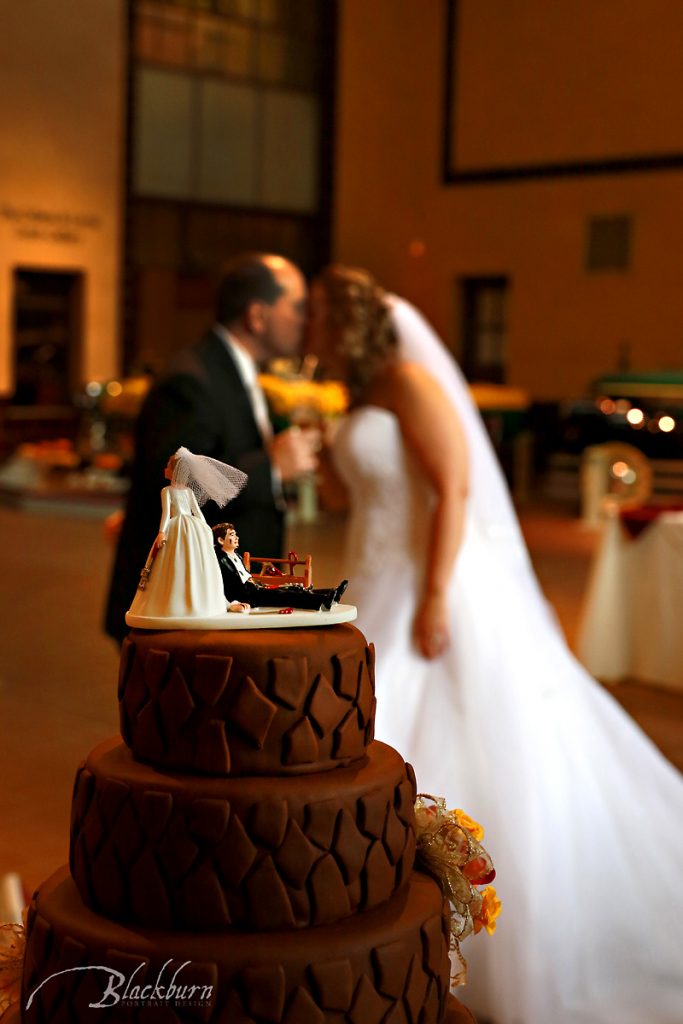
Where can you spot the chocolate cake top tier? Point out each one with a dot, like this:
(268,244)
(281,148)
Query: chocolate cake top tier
(256,702)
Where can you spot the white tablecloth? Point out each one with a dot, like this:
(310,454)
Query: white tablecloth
(632,621)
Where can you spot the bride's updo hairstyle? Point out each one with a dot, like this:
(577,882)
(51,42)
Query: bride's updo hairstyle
(358,316)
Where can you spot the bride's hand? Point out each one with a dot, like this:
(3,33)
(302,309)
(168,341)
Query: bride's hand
(430,628)
(161,539)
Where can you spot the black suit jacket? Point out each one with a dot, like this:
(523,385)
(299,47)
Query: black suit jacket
(202,404)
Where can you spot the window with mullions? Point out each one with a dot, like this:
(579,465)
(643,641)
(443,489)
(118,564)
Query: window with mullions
(227,102)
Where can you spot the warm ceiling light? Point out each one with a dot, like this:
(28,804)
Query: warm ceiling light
(666,424)
(636,417)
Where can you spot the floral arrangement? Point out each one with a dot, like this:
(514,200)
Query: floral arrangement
(449,848)
(289,397)
(12,942)
(58,454)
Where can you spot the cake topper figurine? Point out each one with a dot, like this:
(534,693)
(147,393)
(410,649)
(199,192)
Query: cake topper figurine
(181,576)
(243,591)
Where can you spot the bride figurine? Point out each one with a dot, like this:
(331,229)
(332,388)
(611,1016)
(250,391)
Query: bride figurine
(477,688)
(181,577)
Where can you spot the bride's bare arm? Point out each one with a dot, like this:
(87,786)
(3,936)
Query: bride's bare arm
(331,488)
(165,516)
(433,433)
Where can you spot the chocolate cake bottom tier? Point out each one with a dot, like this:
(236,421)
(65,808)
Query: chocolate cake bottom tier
(385,965)
(456,1013)
(192,852)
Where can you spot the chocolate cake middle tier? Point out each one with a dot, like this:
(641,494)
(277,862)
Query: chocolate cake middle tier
(194,852)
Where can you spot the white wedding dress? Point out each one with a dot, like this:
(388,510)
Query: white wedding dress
(185,579)
(583,815)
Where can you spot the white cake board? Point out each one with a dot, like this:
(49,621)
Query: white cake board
(257,618)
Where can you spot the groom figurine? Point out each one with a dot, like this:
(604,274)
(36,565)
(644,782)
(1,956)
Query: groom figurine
(239,586)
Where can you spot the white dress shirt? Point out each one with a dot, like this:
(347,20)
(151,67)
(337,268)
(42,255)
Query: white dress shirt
(248,372)
(239,565)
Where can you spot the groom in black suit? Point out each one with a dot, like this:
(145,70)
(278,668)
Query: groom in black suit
(210,401)
(239,586)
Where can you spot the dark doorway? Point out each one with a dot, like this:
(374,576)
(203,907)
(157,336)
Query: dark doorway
(47,336)
(484,328)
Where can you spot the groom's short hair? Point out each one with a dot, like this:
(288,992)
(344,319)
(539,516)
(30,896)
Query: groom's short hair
(245,279)
(221,531)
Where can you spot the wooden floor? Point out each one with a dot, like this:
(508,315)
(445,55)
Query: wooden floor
(58,671)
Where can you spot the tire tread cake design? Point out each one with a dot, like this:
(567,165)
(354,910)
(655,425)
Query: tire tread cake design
(235,707)
(214,852)
(246,855)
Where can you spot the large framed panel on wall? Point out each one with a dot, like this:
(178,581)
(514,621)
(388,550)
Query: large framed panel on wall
(164,151)
(572,87)
(290,145)
(228,159)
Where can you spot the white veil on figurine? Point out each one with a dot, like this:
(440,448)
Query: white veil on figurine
(209,479)
(583,815)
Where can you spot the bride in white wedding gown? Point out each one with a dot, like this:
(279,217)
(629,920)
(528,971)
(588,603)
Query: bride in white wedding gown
(476,687)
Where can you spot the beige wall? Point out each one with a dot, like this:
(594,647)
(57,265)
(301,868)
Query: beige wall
(61,111)
(565,325)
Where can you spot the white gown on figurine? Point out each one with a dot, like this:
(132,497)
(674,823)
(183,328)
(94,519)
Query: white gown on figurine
(185,579)
(583,816)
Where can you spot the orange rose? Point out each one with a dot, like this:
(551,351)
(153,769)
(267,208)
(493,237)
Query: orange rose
(470,824)
(489,912)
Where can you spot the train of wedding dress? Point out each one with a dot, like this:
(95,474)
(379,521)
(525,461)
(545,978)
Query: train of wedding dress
(583,815)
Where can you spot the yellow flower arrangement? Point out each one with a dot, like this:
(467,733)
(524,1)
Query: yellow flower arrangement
(448,848)
(289,396)
(12,944)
